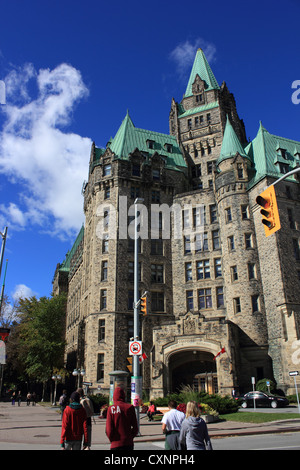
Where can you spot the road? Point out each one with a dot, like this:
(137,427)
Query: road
(284,441)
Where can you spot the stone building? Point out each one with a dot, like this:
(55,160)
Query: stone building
(215,281)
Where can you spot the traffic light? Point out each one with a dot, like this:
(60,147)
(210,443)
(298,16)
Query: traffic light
(269,211)
(144,305)
(129,365)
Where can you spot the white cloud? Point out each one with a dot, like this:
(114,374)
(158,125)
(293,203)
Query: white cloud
(184,54)
(22,291)
(46,163)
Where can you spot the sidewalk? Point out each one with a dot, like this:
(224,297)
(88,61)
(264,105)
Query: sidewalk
(42,425)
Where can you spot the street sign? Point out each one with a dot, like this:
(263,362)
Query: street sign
(135,348)
(293,373)
(87,383)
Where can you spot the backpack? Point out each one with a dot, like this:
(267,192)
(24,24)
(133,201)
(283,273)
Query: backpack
(63,401)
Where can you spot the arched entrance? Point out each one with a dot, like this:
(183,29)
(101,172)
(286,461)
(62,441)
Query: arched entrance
(194,368)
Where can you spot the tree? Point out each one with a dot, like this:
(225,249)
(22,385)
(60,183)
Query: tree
(41,335)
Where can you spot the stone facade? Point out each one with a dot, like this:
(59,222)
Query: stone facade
(216,282)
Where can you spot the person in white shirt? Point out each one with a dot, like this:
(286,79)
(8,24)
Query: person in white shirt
(171,425)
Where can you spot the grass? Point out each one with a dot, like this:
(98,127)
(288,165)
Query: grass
(258,417)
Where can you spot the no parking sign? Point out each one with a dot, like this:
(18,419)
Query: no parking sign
(135,348)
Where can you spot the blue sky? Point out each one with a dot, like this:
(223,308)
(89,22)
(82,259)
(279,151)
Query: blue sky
(72,69)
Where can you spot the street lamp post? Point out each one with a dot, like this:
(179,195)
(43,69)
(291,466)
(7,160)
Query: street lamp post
(77,373)
(55,377)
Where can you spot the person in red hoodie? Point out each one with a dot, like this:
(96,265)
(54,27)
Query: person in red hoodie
(74,425)
(121,422)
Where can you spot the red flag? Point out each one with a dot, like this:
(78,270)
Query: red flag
(219,353)
(143,357)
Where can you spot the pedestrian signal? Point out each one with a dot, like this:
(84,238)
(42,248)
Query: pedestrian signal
(144,305)
(269,211)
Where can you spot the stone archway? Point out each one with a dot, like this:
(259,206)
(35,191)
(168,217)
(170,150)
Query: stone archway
(192,367)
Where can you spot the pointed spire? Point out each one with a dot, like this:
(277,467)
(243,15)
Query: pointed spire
(118,142)
(201,67)
(231,144)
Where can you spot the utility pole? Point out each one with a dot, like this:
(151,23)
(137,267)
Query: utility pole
(136,323)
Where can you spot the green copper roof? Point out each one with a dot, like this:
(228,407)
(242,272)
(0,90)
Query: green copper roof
(202,68)
(198,109)
(128,138)
(230,144)
(65,266)
(272,155)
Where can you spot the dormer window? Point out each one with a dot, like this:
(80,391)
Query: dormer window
(169,147)
(150,144)
(281,152)
(199,98)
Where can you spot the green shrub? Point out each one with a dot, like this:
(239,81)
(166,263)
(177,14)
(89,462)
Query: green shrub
(99,401)
(218,403)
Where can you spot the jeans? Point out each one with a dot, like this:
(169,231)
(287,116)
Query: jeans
(72,445)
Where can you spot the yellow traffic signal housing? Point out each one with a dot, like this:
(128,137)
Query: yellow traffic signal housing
(144,305)
(129,366)
(269,211)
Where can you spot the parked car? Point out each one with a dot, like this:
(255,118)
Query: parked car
(263,399)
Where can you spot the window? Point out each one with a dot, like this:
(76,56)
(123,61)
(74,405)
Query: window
(248,240)
(251,271)
(204,298)
(134,192)
(213,213)
(131,271)
(107,170)
(157,302)
(105,243)
(188,272)
(208,117)
(291,219)
(199,98)
(187,244)
(104,269)
(199,216)
(228,216)
(156,174)
(107,193)
(136,170)
(201,242)
(255,303)
(234,273)
(231,243)
(100,368)
(130,300)
(209,168)
(103,299)
(155,196)
(245,211)
(240,170)
(220,297)
(216,239)
(189,123)
(237,305)
(296,248)
(101,331)
(150,144)
(157,273)
(218,267)
(189,300)
(203,269)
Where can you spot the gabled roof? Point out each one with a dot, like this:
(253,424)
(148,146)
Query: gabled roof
(129,138)
(266,153)
(201,67)
(231,144)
